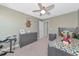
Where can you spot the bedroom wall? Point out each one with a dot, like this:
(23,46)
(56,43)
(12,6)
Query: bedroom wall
(12,21)
(78,18)
(69,20)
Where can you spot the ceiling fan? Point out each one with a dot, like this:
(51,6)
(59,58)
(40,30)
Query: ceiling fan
(44,10)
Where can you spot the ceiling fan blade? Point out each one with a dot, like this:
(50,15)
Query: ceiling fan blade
(50,7)
(36,11)
(40,5)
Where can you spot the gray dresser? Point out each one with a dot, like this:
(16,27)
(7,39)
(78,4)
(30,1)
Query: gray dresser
(27,38)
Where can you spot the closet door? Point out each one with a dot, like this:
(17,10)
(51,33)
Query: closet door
(41,29)
(45,29)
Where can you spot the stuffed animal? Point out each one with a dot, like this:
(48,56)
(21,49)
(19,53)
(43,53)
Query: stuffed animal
(66,38)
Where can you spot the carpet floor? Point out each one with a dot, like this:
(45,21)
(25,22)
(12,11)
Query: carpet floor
(38,48)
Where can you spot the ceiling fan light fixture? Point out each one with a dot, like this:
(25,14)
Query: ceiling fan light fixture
(43,12)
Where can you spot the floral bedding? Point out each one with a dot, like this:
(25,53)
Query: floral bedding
(73,48)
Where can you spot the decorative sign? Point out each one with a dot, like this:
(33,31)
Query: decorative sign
(28,23)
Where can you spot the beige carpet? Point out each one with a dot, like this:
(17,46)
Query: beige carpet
(38,48)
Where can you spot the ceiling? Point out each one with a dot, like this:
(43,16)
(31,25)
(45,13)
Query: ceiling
(27,8)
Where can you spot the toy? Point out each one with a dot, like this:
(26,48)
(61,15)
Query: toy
(66,38)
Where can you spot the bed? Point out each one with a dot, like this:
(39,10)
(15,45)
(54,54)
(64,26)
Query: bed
(71,50)
(57,48)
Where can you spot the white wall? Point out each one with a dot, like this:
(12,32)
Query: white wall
(12,21)
(69,20)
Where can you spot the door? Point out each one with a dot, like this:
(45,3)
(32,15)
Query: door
(45,29)
(41,29)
